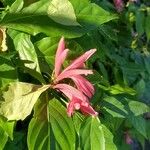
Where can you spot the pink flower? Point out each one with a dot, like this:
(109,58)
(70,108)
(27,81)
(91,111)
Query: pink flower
(119,5)
(128,138)
(84,89)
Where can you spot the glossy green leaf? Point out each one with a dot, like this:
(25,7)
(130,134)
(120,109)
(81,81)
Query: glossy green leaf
(39,130)
(62,125)
(6,130)
(34,19)
(20,99)
(47,47)
(114,107)
(16,6)
(38,134)
(26,51)
(92,135)
(109,144)
(138,108)
(62,12)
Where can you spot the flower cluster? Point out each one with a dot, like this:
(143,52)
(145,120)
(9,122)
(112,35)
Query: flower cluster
(82,90)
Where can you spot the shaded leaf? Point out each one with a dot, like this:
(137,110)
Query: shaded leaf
(147,26)
(139,123)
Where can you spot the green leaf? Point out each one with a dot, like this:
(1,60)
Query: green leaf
(147,26)
(20,99)
(16,6)
(109,144)
(91,15)
(62,125)
(114,107)
(26,51)
(140,21)
(47,47)
(138,108)
(8,72)
(139,123)
(6,130)
(62,12)
(117,89)
(7,127)
(92,135)
(34,19)
(39,130)
(3,137)
(38,134)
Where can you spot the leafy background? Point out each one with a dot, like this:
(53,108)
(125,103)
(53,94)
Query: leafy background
(121,74)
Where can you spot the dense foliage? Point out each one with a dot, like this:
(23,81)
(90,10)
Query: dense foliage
(33,114)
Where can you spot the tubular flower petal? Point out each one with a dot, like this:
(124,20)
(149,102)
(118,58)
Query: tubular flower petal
(83,85)
(80,60)
(70,91)
(70,73)
(59,58)
(84,107)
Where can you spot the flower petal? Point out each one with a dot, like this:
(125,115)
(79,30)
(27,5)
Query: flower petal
(83,106)
(60,49)
(70,73)
(60,61)
(70,91)
(88,110)
(83,85)
(80,60)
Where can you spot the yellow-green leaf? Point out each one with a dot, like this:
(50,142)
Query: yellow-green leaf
(62,12)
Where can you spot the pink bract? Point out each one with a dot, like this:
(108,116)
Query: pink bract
(83,90)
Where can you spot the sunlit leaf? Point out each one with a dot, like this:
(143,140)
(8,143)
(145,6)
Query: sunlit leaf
(6,130)
(20,99)
(109,144)
(62,12)
(62,125)
(92,135)
(114,107)
(138,108)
